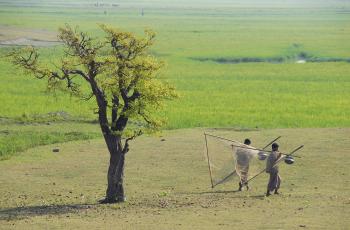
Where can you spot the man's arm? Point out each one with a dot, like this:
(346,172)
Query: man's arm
(279,156)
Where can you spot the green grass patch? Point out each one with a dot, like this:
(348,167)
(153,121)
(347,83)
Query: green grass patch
(12,142)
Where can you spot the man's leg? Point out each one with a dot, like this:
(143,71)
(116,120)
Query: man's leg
(268,193)
(271,185)
(278,184)
(243,179)
(246,179)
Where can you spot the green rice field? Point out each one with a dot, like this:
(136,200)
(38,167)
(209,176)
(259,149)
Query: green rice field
(201,42)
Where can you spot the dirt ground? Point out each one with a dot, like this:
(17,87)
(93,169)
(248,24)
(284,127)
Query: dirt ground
(168,186)
(10,36)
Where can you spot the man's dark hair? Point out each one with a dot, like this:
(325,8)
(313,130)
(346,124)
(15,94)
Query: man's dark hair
(247,141)
(275,146)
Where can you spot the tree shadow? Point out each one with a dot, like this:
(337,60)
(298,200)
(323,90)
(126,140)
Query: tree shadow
(30,211)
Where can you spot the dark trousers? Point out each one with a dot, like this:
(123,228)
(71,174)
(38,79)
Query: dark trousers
(274,181)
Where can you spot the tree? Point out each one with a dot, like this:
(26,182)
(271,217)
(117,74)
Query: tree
(122,78)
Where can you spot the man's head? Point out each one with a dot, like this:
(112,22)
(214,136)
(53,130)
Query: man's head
(275,147)
(247,141)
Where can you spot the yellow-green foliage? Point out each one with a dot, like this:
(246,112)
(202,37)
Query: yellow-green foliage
(119,73)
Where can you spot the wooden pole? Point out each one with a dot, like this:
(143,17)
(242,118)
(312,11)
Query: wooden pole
(261,150)
(222,138)
(271,142)
(228,176)
(206,145)
(241,146)
(291,153)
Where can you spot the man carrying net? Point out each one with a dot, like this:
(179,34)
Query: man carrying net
(243,156)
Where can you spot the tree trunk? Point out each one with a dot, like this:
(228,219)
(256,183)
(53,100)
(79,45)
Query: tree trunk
(115,189)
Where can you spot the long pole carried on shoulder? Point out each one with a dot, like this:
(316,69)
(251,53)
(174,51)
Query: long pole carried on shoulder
(222,138)
(290,154)
(271,142)
(240,145)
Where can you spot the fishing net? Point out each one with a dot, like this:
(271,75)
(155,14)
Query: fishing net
(231,160)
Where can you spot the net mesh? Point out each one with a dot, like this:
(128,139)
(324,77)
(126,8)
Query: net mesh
(229,160)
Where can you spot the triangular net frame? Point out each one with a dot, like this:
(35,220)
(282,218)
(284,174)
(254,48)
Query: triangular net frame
(230,160)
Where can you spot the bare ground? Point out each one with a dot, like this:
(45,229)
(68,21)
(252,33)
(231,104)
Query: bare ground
(168,186)
(10,36)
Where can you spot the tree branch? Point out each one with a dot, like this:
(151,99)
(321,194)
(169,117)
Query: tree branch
(126,144)
(115,112)
(79,72)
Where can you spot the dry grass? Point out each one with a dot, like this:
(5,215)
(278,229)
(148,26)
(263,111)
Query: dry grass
(168,186)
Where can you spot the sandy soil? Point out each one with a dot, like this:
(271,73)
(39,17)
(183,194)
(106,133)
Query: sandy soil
(10,35)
